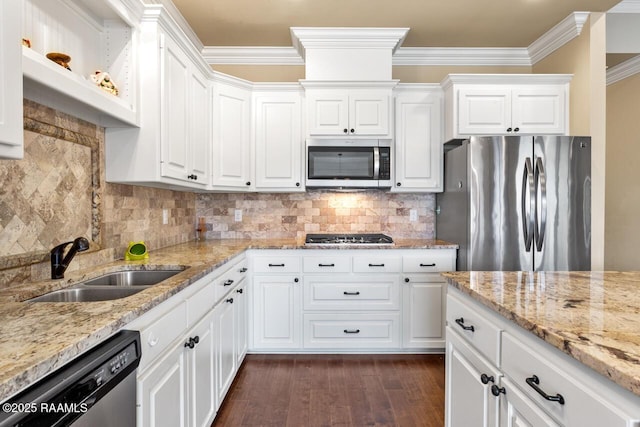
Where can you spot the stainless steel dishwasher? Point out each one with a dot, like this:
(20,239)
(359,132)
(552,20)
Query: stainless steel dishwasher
(98,389)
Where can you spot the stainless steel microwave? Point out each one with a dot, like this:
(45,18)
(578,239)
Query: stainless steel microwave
(348,163)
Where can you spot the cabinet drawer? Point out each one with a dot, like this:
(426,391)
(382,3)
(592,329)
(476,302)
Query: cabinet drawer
(352,331)
(229,279)
(276,264)
(353,294)
(582,406)
(326,264)
(377,264)
(200,303)
(485,336)
(157,337)
(429,261)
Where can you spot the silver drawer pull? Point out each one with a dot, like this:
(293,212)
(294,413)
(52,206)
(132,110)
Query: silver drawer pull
(433,264)
(352,331)
(351,293)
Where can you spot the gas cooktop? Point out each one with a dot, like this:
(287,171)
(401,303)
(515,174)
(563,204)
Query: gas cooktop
(348,239)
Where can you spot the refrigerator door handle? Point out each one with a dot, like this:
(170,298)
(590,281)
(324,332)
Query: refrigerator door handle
(528,188)
(541,193)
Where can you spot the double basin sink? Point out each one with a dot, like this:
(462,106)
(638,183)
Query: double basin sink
(116,285)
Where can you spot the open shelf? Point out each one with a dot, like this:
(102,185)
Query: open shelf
(47,73)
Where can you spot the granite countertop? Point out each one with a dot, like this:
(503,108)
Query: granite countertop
(591,316)
(36,338)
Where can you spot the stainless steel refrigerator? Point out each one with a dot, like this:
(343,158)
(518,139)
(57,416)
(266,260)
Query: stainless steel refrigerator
(517,203)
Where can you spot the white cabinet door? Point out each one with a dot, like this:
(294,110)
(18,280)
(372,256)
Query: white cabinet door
(175,120)
(278,142)
(512,109)
(199,129)
(484,111)
(328,112)
(348,112)
(469,401)
(538,110)
(369,112)
(162,396)
(11,134)
(418,153)
(232,157)
(224,321)
(277,308)
(241,307)
(423,311)
(201,370)
(518,410)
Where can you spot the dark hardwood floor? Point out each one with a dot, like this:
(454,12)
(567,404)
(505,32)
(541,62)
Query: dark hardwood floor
(336,390)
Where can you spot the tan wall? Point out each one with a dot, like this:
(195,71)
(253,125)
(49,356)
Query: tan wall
(585,58)
(406,74)
(622,223)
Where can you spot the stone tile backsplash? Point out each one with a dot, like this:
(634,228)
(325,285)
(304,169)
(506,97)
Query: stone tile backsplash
(292,215)
(63,172)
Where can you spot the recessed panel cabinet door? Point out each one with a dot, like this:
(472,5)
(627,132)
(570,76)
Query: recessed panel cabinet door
(11,134)
(199,129)
(279,142)
(202,365)
(277,312)
(484,111)
(224,320)
(232,156)
(419,154)
(175,87)
(328,112)
(162,394)
(369,112)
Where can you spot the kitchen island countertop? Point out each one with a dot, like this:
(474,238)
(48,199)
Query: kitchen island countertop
(36,338)
(591,316)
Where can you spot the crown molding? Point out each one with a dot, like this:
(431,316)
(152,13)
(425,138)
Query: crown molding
(256,55)
(558,36)
(623,70)
(626,6)
(180,21)
(568,29)
(461,56)
(346,37)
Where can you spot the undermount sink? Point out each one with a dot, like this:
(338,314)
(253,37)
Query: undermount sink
(132,278)
(111,286)
(86,294)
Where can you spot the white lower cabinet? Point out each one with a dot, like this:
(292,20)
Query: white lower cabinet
(224,322)
(423,308)
(469,401)
(498,374)
(192,347)
(349,300)
(201,366)
(277,309)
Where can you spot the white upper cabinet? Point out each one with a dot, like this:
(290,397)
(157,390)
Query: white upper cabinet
(506,104)
(98,36)
(418,147)
(232,158)
(11,139)
(172,146)
(278,139)
(351,109)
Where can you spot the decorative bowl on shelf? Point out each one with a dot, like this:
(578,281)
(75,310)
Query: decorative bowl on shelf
(60,58)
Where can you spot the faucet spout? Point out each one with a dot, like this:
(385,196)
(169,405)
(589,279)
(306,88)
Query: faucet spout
(59,263)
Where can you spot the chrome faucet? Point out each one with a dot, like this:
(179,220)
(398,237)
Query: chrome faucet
(60,264)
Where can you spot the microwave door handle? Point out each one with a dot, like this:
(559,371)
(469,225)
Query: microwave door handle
(376,163)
